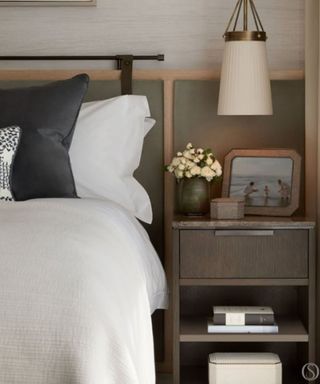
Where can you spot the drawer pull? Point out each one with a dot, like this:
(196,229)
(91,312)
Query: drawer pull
(239,233)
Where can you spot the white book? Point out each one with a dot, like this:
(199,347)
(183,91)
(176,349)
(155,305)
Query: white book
(242,328)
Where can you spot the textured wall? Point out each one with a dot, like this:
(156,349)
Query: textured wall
(196,120)
(187,31)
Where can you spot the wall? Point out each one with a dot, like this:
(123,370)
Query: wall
(196,120)
(189,32)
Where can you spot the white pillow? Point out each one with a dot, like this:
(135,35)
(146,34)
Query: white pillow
(106,150)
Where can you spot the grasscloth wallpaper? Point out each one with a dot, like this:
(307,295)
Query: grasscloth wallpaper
(189,32)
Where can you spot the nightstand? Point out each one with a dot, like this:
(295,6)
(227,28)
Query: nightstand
(255,261)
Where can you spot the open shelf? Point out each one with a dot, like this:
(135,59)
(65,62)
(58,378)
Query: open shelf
(199,375)
(194,329)
(194,375)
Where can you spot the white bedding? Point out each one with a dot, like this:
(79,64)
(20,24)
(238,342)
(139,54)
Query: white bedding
(78,282)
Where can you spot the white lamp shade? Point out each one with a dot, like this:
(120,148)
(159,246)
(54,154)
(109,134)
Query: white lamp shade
(245,84)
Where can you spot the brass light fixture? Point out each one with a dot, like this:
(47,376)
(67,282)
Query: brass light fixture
(245,84)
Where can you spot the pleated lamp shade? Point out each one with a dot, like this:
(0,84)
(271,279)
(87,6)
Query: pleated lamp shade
(245,84)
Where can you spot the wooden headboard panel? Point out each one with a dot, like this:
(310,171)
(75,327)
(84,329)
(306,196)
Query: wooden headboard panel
(159,86)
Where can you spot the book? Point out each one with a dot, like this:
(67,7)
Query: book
(212,328)
(243,316)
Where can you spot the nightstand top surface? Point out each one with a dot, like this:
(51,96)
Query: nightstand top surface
(249,222)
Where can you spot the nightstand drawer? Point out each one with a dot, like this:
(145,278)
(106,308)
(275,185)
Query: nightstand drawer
(244,253)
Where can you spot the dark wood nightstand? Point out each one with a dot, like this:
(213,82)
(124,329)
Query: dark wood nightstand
(255,261)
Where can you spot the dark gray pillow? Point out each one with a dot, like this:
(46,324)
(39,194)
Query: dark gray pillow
(47,116)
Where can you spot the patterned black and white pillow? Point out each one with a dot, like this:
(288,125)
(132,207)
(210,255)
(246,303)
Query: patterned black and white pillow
(9,141)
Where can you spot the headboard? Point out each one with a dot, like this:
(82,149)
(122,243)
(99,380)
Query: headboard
(186,101)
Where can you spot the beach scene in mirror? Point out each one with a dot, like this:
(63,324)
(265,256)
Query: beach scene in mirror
(262,181)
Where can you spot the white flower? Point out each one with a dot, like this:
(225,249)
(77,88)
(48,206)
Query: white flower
(189,164)
(216,165)
(175,162)
(208,173)
(219,172)
(187,154)
(217,168)
(178,173)
(195,171)
(170,168)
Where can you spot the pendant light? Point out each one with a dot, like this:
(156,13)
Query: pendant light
(245,84)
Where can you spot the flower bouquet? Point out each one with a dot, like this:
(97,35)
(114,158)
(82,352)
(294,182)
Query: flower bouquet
(194,169)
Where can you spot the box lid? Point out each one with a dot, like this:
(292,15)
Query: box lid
(244,358)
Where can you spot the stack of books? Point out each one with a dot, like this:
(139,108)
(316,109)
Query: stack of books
(242,320)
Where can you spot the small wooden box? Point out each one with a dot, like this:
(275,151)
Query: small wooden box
(227,208)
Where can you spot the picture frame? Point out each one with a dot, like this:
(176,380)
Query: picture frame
(267,179)
(53,3)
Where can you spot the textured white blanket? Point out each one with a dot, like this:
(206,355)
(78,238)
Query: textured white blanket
(78,281)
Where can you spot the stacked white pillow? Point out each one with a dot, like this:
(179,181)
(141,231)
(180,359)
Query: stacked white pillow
(106,150)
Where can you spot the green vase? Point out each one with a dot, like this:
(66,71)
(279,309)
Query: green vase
(193,196)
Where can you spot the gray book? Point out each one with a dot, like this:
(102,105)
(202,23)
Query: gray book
(243,316)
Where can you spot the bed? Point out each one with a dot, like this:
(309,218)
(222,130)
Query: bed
(79,280)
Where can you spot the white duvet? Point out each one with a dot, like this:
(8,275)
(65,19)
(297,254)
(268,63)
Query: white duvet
(78,282)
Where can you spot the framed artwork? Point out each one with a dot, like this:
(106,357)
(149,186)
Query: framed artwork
(47,2)
(267,179)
